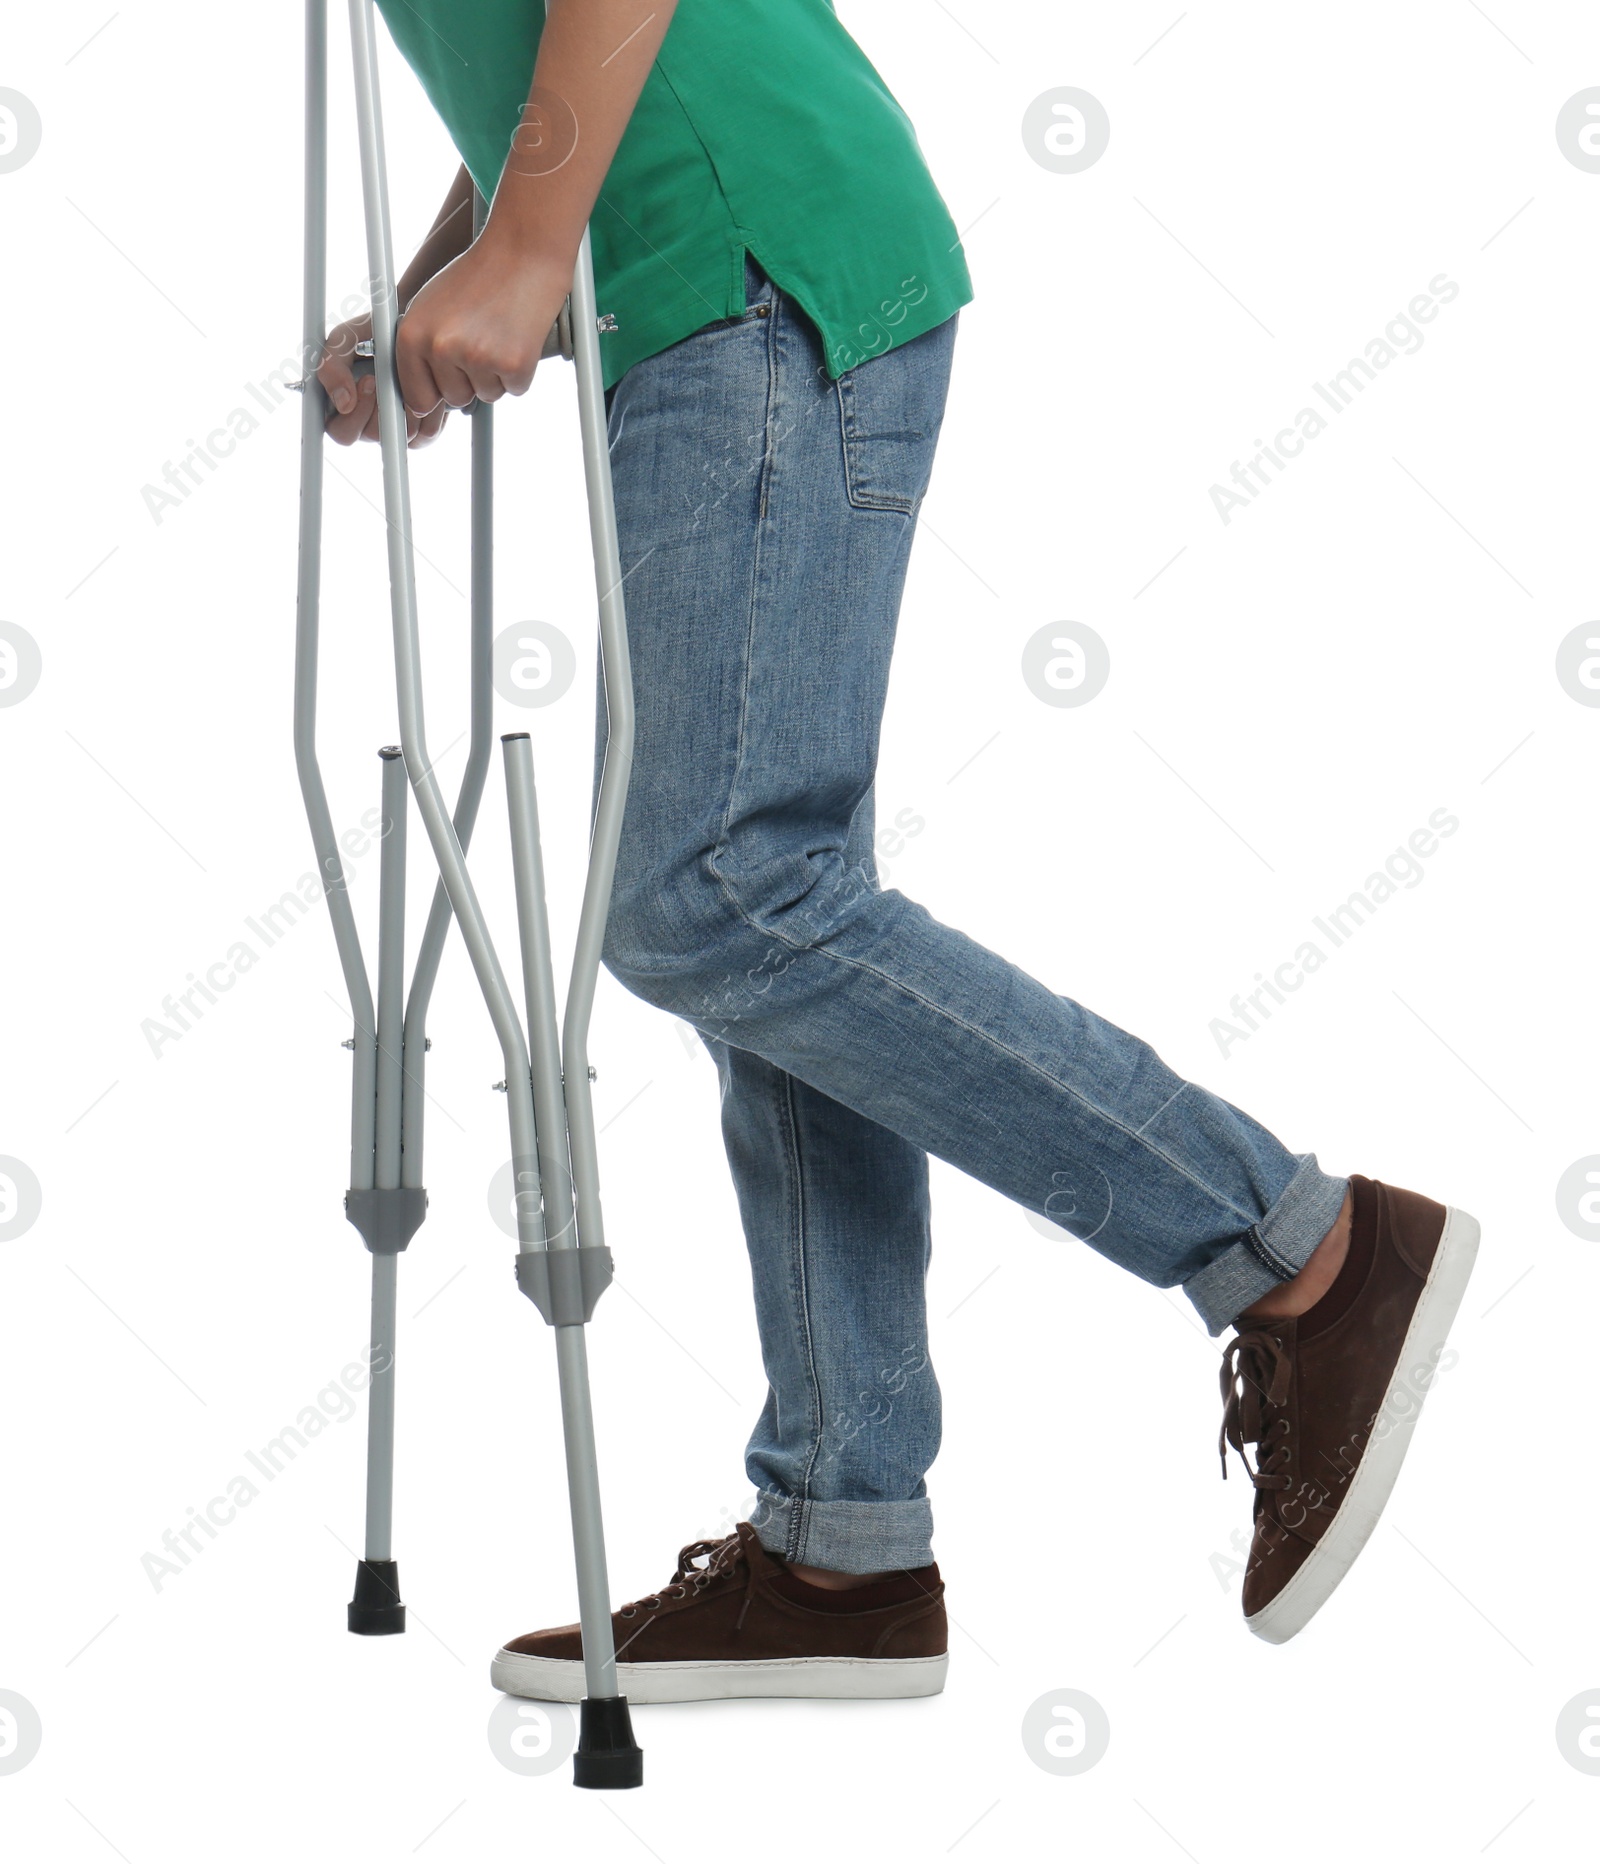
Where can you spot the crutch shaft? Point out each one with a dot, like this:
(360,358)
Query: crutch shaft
(577,1417)
(391,971)
(386,1154)
(549,1109)
(583,1494)
(479,751)
(612,799)
(380,1412)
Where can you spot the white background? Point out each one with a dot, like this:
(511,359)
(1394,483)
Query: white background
(1291,695)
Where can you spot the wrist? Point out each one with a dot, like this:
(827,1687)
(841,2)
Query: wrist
(526,244)
(526,233)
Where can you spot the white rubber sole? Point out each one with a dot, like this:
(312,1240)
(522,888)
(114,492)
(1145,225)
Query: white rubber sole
(549,1679)
(1370,1487)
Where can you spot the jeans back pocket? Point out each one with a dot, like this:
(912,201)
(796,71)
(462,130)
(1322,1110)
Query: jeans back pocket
(890,410)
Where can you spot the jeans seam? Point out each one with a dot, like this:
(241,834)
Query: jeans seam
(756,559)
(798,1512)
(894,983)
(769,451)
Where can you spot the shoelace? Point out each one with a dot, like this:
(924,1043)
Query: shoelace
(1255,1379)
(722,1558)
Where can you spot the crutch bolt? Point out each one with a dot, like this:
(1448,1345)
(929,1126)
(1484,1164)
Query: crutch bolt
(607,1754)
(376,1610)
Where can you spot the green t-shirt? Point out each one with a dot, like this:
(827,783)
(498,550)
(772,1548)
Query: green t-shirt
(762,127)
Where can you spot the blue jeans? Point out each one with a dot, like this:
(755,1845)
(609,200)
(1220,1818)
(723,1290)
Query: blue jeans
(766,515)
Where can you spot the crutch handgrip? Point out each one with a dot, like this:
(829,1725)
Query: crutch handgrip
(557,343)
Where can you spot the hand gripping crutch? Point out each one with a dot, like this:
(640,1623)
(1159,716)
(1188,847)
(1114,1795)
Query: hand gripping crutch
(562,1263)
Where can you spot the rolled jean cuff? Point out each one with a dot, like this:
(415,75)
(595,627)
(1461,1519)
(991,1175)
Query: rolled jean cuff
(1272,1251)
(845,1537)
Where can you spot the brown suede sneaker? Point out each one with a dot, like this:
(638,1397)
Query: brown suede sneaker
(741,1624)
(1330,1398)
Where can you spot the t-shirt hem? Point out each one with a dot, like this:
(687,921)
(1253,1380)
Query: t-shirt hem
(617,358)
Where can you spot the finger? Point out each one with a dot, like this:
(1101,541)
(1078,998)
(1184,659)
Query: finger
(338,382)
(360,423)
(418,389)
(363,421)
(480,383)
(336,371)
(455,385)
(421,428)
(511,375)
(487,384)
(431,425)
(519,378)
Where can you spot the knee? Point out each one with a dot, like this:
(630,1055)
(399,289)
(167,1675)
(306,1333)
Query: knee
(690,945)
(670,940)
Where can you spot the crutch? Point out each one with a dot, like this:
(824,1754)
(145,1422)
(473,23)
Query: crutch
(562,1264)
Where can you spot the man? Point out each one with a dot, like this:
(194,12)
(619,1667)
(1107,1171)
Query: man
(779,285)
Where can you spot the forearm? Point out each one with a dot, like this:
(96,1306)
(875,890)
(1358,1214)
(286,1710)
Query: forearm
(475,324)
(449,237)
(594,56)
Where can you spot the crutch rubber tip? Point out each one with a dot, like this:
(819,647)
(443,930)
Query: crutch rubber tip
(376,1610)
(607,1754)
